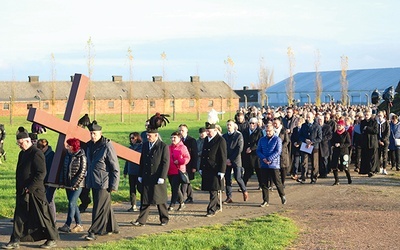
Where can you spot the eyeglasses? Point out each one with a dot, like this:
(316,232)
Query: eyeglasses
(132,138)
(252,123)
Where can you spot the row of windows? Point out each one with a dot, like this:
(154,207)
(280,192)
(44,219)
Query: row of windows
(152,104)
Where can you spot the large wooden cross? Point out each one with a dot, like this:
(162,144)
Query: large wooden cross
(68,127)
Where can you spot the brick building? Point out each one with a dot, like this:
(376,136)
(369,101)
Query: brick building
(116,96)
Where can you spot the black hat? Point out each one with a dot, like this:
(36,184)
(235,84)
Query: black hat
(210,125)
(151,129)
(94,127)
(33,136)
(22,135)
(202,130)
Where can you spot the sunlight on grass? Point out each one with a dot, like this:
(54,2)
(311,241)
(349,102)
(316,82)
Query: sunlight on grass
(267,232)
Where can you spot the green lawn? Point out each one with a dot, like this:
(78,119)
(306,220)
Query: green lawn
(267,232)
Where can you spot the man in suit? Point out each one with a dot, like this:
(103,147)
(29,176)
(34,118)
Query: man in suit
(213,167)
(234,145)
(311,135)
(153,170)
(191,167)
(250,160)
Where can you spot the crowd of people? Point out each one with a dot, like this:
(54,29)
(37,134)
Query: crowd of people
(299,143)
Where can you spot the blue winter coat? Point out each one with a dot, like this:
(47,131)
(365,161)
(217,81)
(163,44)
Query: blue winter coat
(270,149)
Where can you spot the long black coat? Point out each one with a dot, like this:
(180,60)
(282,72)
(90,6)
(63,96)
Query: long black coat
(154,164)
(284,159)
(369,131)
(191,145)
(32,220)
(251,141)
(213,161)
(325,145)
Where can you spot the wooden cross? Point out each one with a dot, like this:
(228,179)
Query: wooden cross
(68,127)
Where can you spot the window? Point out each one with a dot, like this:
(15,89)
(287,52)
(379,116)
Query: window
(6,106)
(171,103)
(46,105)
(133,104)
(111,104)
(152,104)
(29,106)
(191,103)
(210,103)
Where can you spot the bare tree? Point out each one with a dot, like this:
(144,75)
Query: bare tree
(164,88)
(343,79)
(318,79)
(90,62)
(230,76)
(265,80)
(130,93)
(53,83)
(290,84)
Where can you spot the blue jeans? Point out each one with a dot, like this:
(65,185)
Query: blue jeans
(238,175)
(73,210)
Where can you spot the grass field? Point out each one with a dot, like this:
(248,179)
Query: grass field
(112,129)
(267,232)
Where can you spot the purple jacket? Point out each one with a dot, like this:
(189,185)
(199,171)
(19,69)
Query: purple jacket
(270,149)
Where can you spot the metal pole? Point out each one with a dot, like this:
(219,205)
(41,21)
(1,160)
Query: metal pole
(94,107)
(122,114)
(245,102)
(222,115)
(173,107)
(367,96)
(11,113)
(148,107)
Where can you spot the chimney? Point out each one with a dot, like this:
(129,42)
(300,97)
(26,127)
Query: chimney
(157,78)
(195,79)
(33,78)
(117,78)
(245,87)
(72,78)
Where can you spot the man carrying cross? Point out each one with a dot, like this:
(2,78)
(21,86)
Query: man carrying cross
(102,178)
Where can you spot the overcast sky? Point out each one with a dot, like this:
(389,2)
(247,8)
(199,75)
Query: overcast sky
(196,36)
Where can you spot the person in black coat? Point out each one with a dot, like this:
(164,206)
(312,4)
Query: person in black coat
(282,133)
(294,138)
(340,157)
(311,135)
(383,141)
(32,218)
(324,147)
(191,167)
(369,144)
(250,160)
(153,170)
(213,167)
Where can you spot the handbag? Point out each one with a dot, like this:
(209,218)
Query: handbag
(184,177)
(397,142)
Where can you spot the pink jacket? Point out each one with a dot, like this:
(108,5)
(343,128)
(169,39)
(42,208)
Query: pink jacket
(178,152)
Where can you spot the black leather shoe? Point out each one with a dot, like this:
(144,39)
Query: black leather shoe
(11,245)
(91,236)
(164,223)
(283,200)
(189,200)
(210,215)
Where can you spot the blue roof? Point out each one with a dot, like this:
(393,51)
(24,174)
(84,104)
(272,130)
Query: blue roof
(360,83)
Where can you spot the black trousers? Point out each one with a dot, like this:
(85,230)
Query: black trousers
(273,175)
(145,210)
(313,157)
(214,204)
